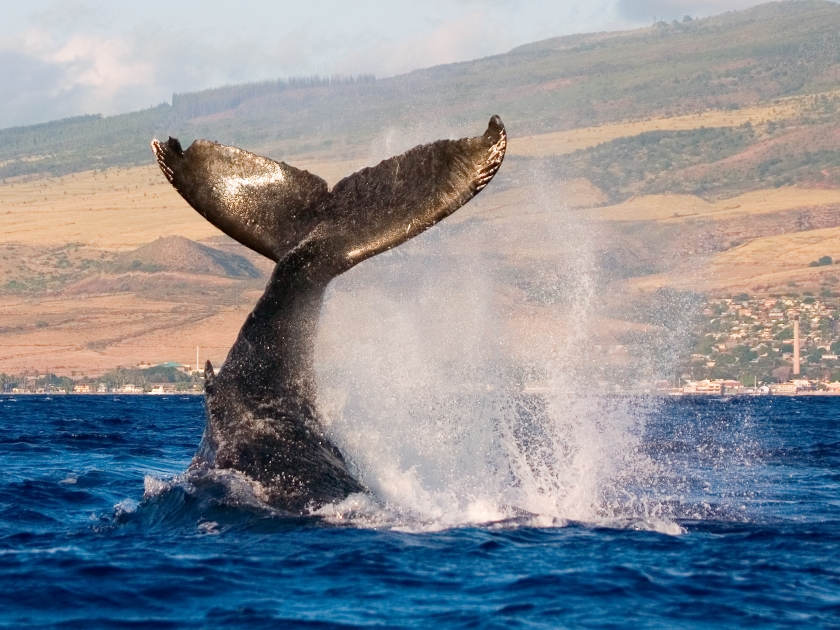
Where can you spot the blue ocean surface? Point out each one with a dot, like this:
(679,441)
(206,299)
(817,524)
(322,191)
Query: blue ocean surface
(97,532)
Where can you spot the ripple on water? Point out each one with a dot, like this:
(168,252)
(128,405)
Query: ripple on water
(117,535)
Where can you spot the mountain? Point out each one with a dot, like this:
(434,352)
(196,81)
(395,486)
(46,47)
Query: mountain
(645,169)
(179,254)
(730,61)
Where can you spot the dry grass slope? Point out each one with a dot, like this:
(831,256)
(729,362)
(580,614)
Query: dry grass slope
(107,320)
(118,209)
(683,208)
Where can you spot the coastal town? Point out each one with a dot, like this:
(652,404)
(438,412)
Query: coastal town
(765,345)
(743,345)
(163,378)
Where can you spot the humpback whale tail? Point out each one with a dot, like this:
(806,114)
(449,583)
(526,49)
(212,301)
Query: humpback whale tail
(261,413)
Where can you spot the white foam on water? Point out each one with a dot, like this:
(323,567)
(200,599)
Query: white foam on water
(209,528)
(153,487)
(126,506)
(422,357)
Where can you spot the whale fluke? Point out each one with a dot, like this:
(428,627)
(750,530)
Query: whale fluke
(267,206)
(261,411)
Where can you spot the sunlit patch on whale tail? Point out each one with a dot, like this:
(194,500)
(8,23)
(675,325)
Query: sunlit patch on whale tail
(261,411)
(267,206)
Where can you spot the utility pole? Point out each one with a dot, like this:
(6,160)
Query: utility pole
(796,344)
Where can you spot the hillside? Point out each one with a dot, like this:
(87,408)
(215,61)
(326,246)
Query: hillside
(176,253)
(77,307)
(80,268)
(644,169)
(731,61)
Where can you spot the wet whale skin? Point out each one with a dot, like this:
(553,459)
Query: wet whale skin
(262,418)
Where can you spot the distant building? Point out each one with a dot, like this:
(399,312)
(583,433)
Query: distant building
(716,386)
(731,387)
(81,389)
(703,387)
(162,388)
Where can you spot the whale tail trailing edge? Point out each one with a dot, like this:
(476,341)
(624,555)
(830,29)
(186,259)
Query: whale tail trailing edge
(261,406)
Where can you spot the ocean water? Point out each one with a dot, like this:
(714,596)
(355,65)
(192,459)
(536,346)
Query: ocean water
(640,513)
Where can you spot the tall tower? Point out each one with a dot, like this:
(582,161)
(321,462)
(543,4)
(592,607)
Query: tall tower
(796,344)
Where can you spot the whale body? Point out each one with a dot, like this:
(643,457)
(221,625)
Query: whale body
(262,419)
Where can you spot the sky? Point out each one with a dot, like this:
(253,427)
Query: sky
(67,58)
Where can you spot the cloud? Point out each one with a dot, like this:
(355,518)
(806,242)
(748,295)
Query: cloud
(26,82)
(46,75)
(466,36)
(91,56)
(63,67)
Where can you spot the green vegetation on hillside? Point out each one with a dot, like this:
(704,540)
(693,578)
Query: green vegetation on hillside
(118,377)
(643,164)
(191,105)
(712,162)
(142,378)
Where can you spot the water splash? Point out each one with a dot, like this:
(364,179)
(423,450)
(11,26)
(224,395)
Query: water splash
(459,375)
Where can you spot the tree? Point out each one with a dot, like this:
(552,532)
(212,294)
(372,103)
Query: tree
(782,374)
(744,354)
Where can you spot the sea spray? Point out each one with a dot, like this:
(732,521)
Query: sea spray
(453,410)
(186,557)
